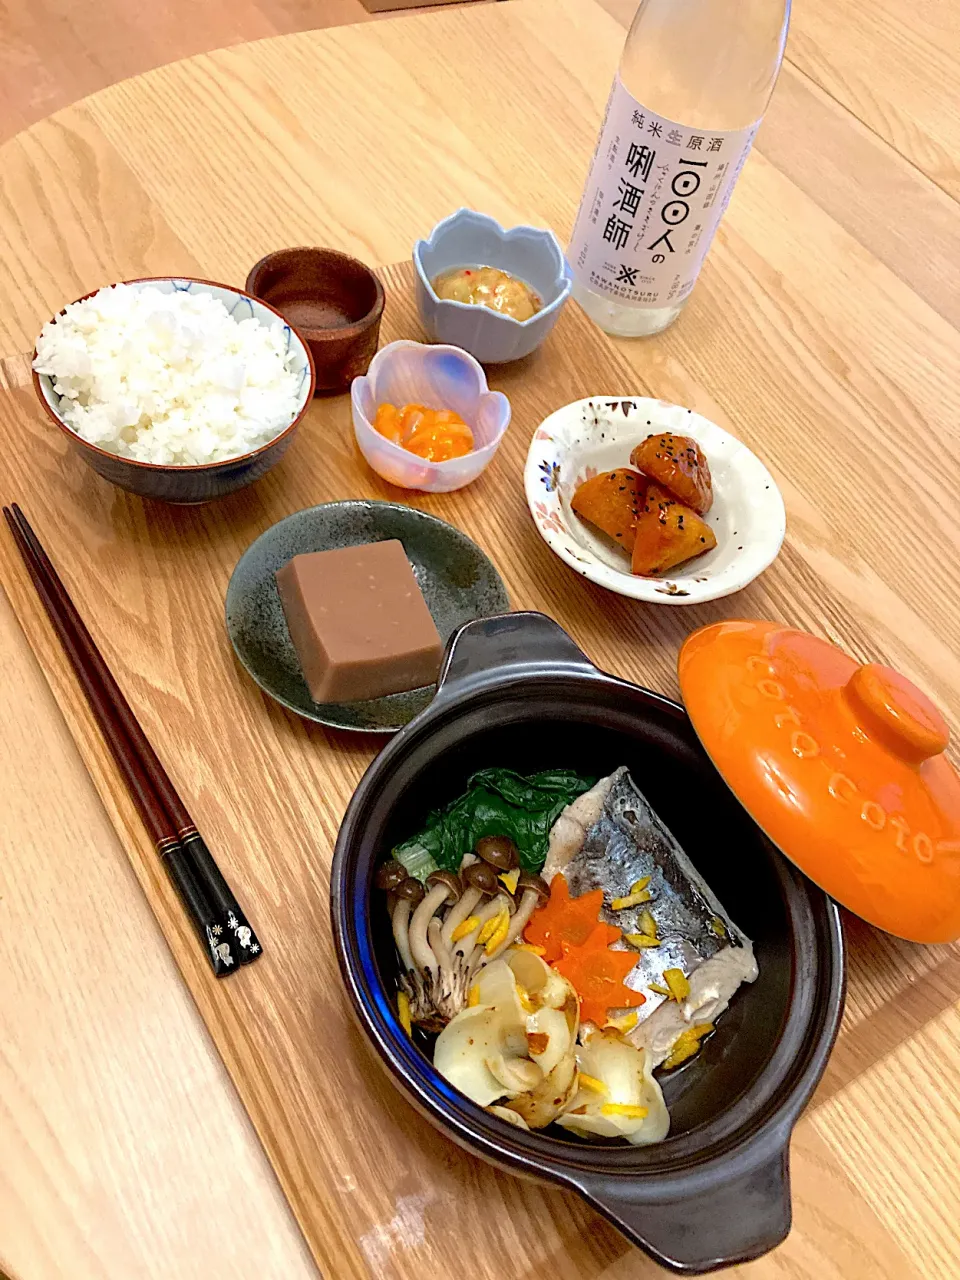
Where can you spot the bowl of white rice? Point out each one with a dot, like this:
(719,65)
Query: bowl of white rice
(172,388)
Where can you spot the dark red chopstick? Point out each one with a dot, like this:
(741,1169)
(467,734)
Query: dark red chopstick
(211,904)
(222,899)
(231,919)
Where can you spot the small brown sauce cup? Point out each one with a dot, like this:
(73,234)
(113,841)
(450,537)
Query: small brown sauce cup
(332,300)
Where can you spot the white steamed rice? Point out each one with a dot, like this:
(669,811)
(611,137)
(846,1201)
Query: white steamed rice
(168,377)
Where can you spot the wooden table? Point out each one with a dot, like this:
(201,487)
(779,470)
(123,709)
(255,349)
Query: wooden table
(835,281)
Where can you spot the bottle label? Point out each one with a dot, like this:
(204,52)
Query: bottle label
(653,200)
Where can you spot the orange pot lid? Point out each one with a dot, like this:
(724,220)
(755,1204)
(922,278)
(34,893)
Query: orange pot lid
(841,765)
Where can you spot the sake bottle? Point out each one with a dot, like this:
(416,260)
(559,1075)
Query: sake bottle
(693,84)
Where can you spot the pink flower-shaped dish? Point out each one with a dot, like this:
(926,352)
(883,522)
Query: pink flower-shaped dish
(439,377)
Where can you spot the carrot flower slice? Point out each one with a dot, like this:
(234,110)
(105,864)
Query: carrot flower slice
(597,973)
(565,919)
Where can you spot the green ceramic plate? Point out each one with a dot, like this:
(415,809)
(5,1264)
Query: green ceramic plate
(457,580)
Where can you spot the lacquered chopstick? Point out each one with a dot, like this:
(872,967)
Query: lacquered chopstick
(209,899)
(179,866)
(221,896)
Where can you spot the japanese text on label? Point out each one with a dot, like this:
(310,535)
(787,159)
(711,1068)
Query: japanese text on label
(653,200)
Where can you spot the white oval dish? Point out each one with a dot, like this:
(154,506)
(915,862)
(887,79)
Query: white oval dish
(598,434)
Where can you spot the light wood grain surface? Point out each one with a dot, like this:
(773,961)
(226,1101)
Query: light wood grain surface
(822,333)
(53,52)
(122,1149)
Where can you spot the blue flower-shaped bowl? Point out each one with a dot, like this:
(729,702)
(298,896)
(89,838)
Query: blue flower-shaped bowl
(470,239)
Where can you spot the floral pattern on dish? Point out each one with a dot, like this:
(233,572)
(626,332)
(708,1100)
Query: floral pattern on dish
(551,476)
(549,519)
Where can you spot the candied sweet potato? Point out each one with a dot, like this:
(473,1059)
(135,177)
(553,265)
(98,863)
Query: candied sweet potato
(679,465)
(612,501)
(667,533)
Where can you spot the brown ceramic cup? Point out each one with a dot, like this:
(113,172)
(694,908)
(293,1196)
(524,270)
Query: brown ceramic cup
(332,300)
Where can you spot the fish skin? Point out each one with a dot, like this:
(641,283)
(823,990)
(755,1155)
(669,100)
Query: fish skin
(626,844)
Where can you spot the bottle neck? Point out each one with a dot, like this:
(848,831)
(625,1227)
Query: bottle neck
(708,64)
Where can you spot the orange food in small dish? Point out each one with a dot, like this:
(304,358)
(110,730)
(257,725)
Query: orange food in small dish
(613,501)
(653,512)
(436,435)
(667,533)
(677,464)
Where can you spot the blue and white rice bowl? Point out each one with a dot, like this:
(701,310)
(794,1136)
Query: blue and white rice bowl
(174,481)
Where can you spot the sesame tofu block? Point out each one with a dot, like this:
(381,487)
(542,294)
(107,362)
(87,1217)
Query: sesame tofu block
(359,622)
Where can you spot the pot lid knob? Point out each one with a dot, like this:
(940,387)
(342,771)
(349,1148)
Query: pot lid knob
(842,765)
(897,713)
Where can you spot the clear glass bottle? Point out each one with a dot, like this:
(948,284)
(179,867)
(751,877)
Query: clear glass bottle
(694,81)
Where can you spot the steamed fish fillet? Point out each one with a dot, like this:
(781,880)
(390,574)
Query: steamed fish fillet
(712,986)
(570,830)
(627,842)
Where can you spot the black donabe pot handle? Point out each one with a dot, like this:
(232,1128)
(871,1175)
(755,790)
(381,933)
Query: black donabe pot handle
(723,1219)
(509,640)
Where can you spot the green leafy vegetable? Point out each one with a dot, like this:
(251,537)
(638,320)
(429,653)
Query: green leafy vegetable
(417,860)
(497,802)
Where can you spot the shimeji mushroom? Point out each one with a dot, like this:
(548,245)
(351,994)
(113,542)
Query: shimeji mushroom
(447,931)
(407,894)
(480,882)
(502,856)
(389,877)
(488,899)
(442,887)
(435,982)
(532,892)
(499,852)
